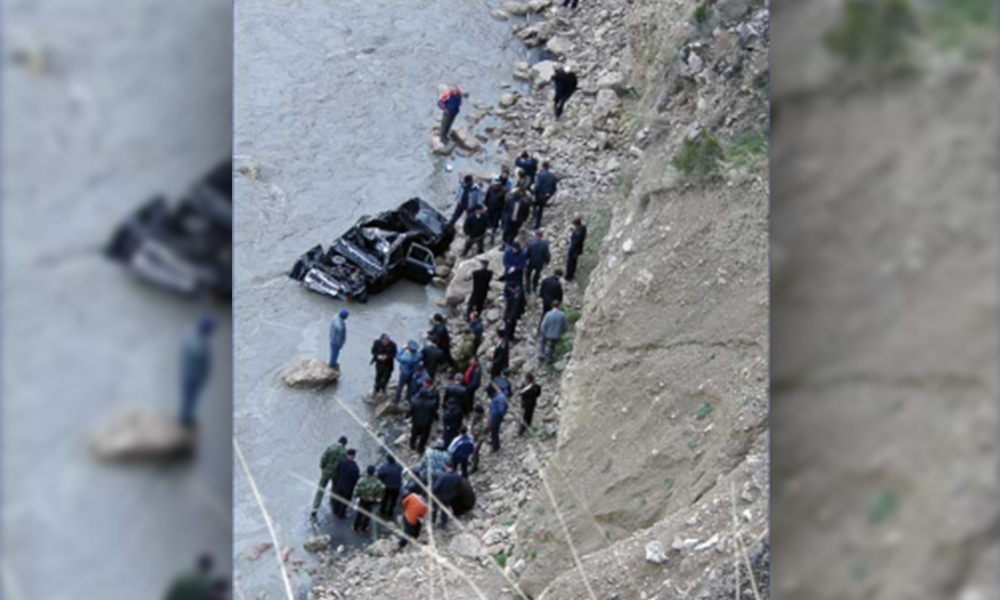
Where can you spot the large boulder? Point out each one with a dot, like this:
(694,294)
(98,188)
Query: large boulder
(612,80)
(317,543)
(309,373)
(537,6)
(464,137)
(559,46)
(142,435)
(542,72)
(607,104)
(518,9)
(522,71)
(467,545)
(537,34)
(461,286)
(438,147)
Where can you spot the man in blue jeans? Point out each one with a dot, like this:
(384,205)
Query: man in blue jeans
(408,359)
(450,102)
(195,366)
(338,335)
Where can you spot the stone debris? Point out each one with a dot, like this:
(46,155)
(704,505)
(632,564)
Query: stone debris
(142,435)
(655,553)
(258,550)
(309,373)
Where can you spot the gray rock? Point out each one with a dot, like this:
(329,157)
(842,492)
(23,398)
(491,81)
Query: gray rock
(389,409)
(494,535)
(542,72)
(537,6)
(519,566)
(309,373)
(467,545)
(440,148)
(258,550)
(522,71)
(655,553)
(518,9)
(460,285)
(499,15)
(559,46)
(317,543)
(508,99)
(612,81)
(142,435)
(607,104)
(464,137)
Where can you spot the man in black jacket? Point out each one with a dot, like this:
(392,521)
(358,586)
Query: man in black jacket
(451,420)
(423,413)
(439,333)
(551,291)
(515,213)
(481,279)
(539,257)
(545,188)
(432,357)
(445,489)
(515,304)
(475,228)
(500,358)
(564,83)
(496,197)
(529,400)
(383,357)
(345,477)
(576,242)
(390,473)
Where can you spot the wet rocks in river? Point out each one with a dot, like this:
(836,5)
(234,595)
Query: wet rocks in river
(518,9)
(309,373)
(389,409)
(559,46)
(142,435)
(522,71)
(508,99)
(258,550)
(542,72)
(317,543)
(465,138)
(440,148)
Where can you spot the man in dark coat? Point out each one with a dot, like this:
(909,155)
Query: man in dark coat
(390,473)
(481,279)
(432,357)
(445,490)
(423,413)
(529,400)
(564,83)
(471,379)
(545,188)
(539,257)
(475,227)
(515,260)
(515,213)
(551,291)
(527,163)
(345,477)
(576,242)
(439,333)
(475,325)
(496,198)
(451,421)
(500,358)
(383,356)
(515,304)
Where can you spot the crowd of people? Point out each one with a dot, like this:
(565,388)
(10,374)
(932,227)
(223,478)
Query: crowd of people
(458,394)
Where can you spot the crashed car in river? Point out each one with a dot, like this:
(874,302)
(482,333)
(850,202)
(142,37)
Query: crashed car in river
(377,251)
(185,247)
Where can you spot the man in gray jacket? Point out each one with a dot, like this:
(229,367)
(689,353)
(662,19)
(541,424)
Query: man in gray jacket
(554,325)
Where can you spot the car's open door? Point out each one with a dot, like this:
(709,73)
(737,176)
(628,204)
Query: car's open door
(419,264)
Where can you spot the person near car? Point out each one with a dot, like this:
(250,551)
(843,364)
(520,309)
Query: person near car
(469,196)
(475,228)
(338,336)
(383,353)
(481,279)
(196,363)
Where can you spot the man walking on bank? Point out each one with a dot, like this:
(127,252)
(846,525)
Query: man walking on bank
(328,466)
(577,239)
(338,336)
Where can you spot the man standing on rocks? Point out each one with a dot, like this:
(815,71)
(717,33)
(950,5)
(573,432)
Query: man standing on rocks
(564,81)
(554,325)
(431,357)
(445,490)
(471,379)
(370,492)
(551,291)
(328,466)
(468,198)
(475,227)
(577,239)
(498,410)
(439,333)
(414,511)
(450,103)
(383,352)
(461,450)
(423,413)
(515,214)
(456,392)
(196,363)
(408,359)
(451,421)
(478,429)
(390,473)
(431,465)
(527,163)
(514,262)
(345,477)
(515,304)
(477,329)
(545,188)
(500,358)
(481,279)
(539,257)
(496,197)
(529,400)
(338,336)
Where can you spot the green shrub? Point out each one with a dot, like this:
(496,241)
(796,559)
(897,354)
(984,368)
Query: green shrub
(699,157)
(572,315)
(501,559)
(875,32)
(701,13)
(748,149)
(951,21)
(703,411)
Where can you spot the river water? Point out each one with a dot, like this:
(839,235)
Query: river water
(334,104)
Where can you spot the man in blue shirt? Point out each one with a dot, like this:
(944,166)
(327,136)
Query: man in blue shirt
(195,367)
(450,102)
(498,410)
(338,335)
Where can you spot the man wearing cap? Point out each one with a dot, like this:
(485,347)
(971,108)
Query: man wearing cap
(338,335)
(327,466)
(196,362)
(345,477)
(408,359)
(383,352)
(481,279)
(564,82)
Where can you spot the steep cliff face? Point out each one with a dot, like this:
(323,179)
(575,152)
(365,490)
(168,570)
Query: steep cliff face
(666,393)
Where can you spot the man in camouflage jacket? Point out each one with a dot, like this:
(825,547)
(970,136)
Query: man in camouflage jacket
(369,492)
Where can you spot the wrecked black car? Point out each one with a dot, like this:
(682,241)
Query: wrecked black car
(185,247)
(377,251)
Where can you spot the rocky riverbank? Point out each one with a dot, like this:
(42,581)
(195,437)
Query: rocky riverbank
(659,394)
